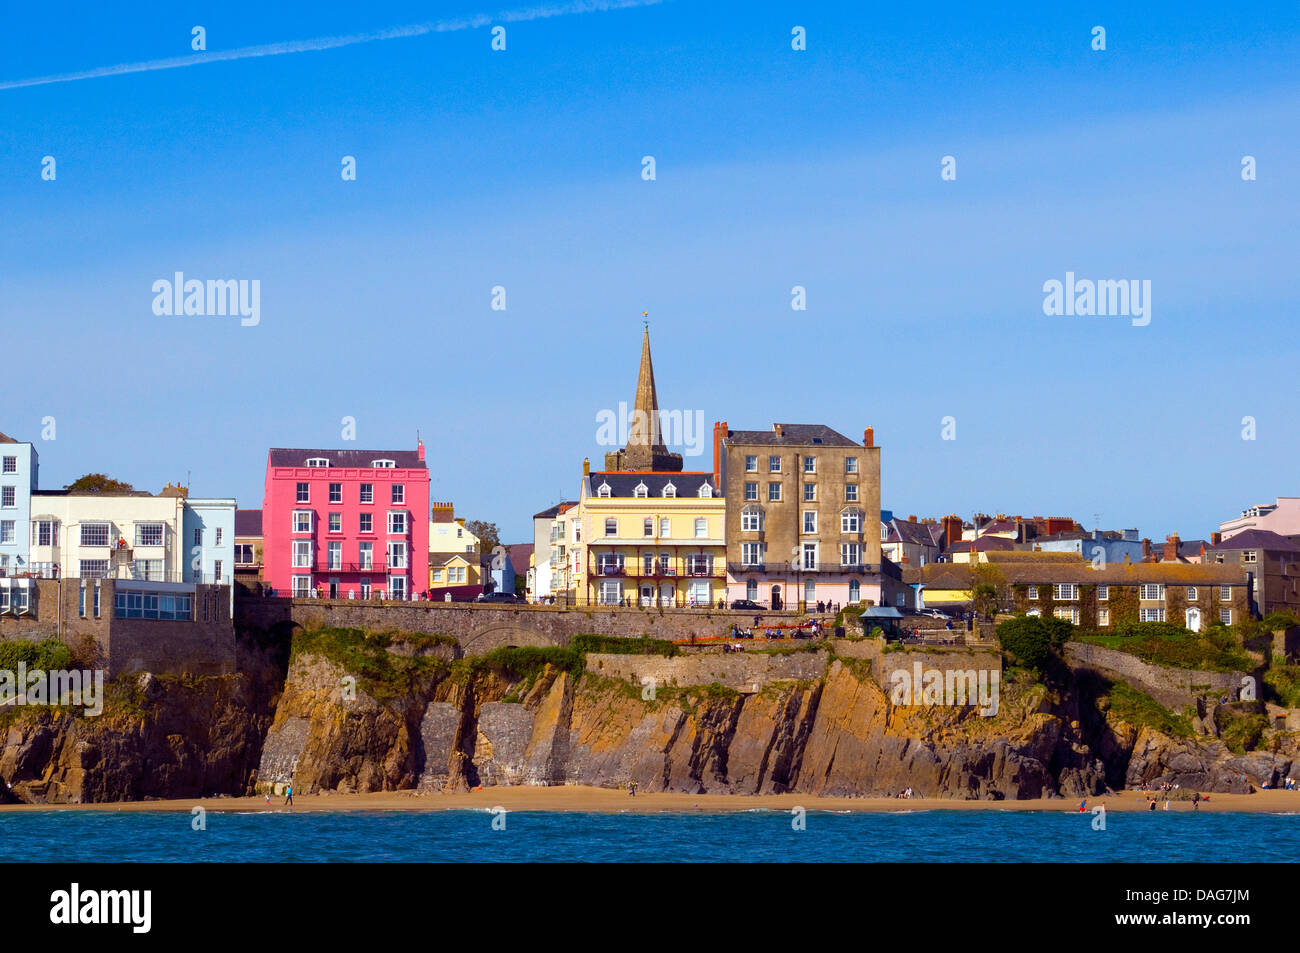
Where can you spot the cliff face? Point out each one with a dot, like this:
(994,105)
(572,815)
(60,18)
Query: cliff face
(834,735)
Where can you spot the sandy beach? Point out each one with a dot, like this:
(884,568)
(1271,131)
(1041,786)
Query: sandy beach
(579,798)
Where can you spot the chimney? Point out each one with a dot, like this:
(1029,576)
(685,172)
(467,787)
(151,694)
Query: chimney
(1146,549)
(720,432)
(869,437)
(419,449)
(778,430)
(911,519)
(951,530)
(1171,549)
(586,466)
(1202,551)
(1216,539)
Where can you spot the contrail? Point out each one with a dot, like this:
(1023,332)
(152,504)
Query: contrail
(332,42)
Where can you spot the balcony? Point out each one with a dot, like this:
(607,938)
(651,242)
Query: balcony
(374,565)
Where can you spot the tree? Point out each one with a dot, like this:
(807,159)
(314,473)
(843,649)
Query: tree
(1033,641)
(99,483)
(489,537)
(988,588)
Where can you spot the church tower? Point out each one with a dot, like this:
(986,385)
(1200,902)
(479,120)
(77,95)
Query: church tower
(645,448)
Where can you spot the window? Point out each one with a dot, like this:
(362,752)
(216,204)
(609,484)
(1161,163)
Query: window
(8,496)
(701,528)
(336,492)
(335,552)
(752,554)
(396,522)
(456,574)
(1225,593)
(397,587)
(1103,617)
(318,461)
(302,521)
(648,526)
(437,575)
(302,553)
(809,464)
(367,493)
(850,492)
(94,534)
(751,519)
(611,592)
(774,493)
(699,565)
(810,492)
(1103,593)
(243,554)
(95,601)
(7,531)
(664,525)
(648,564)
(367,523)
(809,555)
(45,532)
(399,492)
(774,464)
(365,589)
(810,521)
(336,522)
(148,534)
(751,590)
(1033,592)
(706,491)
(130,604)
(366,556)
(611,527)
(810,591)
(304,493)
(1247,556)
(851,521)
(850,554)
(850,464)
(855,590)
(1151,615)
(751,491)
(383,464)
(151,569)
(11,465)
(1068,613)
(665,564)
(670,492)
(641,491)
(220,533)
(198,536)
(1065,592)
(751,464)
(93,568)
(1225,616)
(603,490)
(301,586)
(81,600)
(397,555)
(1191,593)
(1152,590)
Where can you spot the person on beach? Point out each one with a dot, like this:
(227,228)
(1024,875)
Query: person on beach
(631,789)
(288,795)
(1196,801)
(1083,806)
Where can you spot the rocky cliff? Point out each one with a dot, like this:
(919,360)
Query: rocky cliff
(413,717)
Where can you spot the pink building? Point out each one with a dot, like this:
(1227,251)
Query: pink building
(346,523)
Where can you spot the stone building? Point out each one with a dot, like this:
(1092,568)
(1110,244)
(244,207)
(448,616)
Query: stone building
(1272,563)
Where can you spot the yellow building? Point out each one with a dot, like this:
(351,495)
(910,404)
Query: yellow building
(649,538)
(454,571)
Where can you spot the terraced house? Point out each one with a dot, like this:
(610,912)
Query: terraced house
(803,520)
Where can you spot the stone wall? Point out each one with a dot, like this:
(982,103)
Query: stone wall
(1172,687)
(479,628)
(945,658)
(205,646)
(746,671)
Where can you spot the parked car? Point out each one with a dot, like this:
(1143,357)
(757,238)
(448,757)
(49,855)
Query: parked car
(497,597)
(749,605)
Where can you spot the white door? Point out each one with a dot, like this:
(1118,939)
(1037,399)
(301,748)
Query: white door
(1194,619)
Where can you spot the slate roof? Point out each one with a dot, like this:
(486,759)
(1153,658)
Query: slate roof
(792,435)
(1045,572)
(624,484)
(4,438)
(982,545)
(553,511)
(248,522)
(403,459)
(905,531)
(1263,539)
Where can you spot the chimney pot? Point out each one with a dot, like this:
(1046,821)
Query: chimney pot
(869,437)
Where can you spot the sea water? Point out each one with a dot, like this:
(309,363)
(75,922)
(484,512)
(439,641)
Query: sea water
(757,835)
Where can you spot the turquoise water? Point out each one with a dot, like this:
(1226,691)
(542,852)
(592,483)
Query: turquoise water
(996,836)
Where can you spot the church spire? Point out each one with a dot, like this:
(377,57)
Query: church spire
(645,448)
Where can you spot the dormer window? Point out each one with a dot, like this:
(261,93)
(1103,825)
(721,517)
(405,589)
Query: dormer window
(706,491)
(318,461)
(603,490)
(670,492)
(383,464)
(641,491)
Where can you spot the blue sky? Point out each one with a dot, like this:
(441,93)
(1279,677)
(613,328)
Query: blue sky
(775,168)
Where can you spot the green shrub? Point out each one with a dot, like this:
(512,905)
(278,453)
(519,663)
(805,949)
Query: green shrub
(382,674)
(49,655)
(1239,730)
(613,645)
(1034,641)
(1285,682)
(1140,709)
(1217,649)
